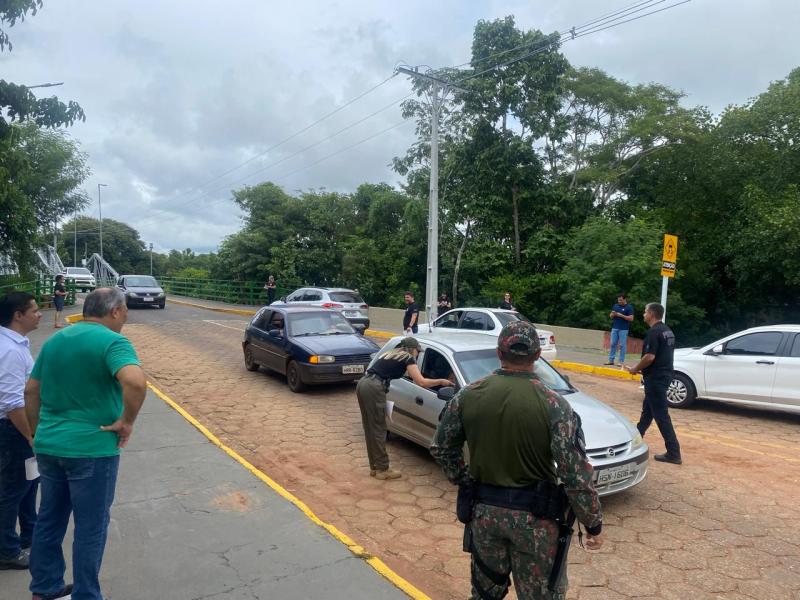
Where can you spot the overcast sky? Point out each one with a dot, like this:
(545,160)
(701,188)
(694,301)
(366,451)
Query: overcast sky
(178,92)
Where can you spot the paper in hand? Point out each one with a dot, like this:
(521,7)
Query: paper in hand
(389,409)
(31,468)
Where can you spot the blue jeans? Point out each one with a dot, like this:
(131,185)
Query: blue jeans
(618,336)
(17,494)
(85,488)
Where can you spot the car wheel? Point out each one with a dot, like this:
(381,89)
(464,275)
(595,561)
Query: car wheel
(293,378)
(249,363)
(681,392)
(162,306)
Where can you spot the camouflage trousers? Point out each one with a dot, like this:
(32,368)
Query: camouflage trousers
(514,541)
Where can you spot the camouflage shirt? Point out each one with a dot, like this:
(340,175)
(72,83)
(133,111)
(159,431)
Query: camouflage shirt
(572,468)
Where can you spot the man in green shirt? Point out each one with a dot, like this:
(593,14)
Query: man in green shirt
(82,400)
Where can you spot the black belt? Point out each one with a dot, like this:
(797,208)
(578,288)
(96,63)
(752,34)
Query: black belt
(543,499)
(383,380)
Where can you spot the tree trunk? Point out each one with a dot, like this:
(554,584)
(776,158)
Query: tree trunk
(515,204)
(461,249)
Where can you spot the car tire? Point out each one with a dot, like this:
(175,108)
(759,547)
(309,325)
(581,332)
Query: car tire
(249,363)
(162,306)
(681,392)
(294,379)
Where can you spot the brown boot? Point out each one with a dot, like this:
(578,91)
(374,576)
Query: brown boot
(372,472)
(388,474)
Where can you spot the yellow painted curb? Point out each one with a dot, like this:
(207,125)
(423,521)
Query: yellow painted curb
(376,563)
(594,370)
(380,334)
(73,318)
(222,309)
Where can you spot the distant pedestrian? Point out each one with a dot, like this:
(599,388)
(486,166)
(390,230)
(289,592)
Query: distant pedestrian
(656,367)
(621,316)
(59,296)
(411,316)
(506,303)
(19,315)
(371,392)
(270,286)
(82,399)
(444,304)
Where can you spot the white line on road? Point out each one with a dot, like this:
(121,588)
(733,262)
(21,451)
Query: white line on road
(221,325)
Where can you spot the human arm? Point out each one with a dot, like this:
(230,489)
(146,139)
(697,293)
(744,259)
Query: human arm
(134,388)
(448,443)
(12,391)
(645,362)
(417,377)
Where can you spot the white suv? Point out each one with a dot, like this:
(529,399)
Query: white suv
(348,302)
(80,277)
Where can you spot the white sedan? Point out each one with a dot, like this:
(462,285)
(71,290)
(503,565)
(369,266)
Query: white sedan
(490,321)
(756,367)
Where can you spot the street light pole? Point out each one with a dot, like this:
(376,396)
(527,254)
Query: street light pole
(151,259)
(100,208)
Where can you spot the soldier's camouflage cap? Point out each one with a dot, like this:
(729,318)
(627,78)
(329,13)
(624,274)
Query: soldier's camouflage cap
(520,338)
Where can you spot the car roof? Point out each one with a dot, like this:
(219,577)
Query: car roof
(136,275)
(289,308)
(787,327)
(456,342)
(325,289)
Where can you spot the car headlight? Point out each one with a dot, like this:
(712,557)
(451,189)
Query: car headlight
(133,295)
(373,355)
(322,358)
(637,442)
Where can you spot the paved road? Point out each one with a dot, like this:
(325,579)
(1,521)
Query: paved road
(721,526)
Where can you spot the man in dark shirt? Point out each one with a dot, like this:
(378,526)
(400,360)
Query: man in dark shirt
(506,303)
(621,316)
(411,316)
(656,367)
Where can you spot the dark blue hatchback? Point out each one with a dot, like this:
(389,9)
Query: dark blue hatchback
(307,344)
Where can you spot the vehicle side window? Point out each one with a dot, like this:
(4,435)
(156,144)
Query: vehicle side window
(764,343)
(435,366)
(276,321)
(420,361)
(121,282)
(312,296)
(795,353)
(475,321)
(295,296)
(450,320)
(260,322)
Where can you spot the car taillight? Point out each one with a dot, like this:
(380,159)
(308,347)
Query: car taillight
(552,339)
(332,305)
(364,306)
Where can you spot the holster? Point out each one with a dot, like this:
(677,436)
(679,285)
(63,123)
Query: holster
(465,501)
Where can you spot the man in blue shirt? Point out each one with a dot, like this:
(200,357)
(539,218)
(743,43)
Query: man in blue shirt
(621,316)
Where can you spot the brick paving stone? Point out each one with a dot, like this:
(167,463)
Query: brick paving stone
(766,590)
(633,586)
(711,582)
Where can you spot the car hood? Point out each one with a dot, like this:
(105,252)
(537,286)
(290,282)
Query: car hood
(602,425)
(336,345)
(143,290)
(684,352)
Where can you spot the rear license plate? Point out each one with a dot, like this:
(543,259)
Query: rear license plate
(147,299)
(614,474)
(352,313)
(352,369)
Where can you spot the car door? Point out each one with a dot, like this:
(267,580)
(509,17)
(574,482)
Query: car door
(745,370)
(257,333)
(474,320)
(276,343)
(786,389)
(449,320)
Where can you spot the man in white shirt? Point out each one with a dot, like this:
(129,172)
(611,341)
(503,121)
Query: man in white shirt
(19,315)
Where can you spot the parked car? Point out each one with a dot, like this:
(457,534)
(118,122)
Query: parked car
(309,345)
(617,452)
(756,367)
(142,290)
(80,277)
(490,321)
(347,302)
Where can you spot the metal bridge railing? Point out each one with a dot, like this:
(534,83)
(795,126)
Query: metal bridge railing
(220,290)
(41,288)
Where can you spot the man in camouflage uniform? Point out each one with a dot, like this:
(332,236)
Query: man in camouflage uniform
(519,434)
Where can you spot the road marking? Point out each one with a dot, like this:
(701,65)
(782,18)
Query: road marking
(221,325)
(373,561)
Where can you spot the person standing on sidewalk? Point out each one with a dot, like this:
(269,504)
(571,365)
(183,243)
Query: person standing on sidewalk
(371,392)
(59,296)
(411,316)
(656,367)
(82,399)
(621,316)
(270,286)
(19,315)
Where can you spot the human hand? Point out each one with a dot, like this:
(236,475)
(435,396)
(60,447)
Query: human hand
(594,542)
(629,369)
(123,429)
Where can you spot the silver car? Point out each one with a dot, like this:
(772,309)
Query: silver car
(615,448)
(348,302)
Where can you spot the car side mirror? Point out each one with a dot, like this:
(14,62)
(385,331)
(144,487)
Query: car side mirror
(360,329)
(276,333)
(446,393)
(283,298)
(716,350)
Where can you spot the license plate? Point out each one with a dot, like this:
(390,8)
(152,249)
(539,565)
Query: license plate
(352,369)
(147,299)
(614,474)
(352,313)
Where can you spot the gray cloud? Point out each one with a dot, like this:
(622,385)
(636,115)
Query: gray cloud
(178,92)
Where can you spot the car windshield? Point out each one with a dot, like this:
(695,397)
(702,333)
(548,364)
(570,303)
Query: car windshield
(475,364)
(319,323)
(346,297)
(141,281)
(78,271)
(507,317)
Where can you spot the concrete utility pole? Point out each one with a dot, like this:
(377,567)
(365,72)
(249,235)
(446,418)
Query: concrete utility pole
(151,259)
(432,274)
(100,208)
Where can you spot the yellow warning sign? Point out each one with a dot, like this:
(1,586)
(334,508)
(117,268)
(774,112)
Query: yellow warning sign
(670,255)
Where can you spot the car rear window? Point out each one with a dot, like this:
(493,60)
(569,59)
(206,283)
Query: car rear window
(507,317)
(349,297)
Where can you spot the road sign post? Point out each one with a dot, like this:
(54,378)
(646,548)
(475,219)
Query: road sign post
(669,259)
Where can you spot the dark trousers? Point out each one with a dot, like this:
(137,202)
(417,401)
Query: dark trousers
(83,487)
(372,402)
(17,494)
(655,407)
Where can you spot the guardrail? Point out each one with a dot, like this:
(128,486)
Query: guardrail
(41,289)
(220,290)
